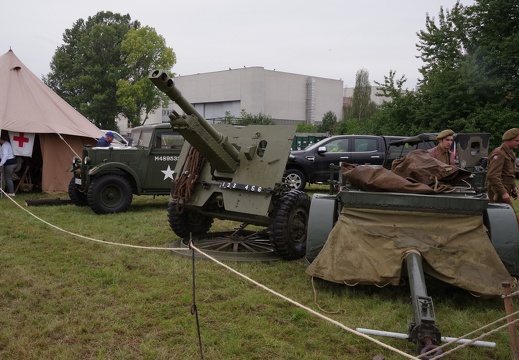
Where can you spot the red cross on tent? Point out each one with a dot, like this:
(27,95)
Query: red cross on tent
(22,143)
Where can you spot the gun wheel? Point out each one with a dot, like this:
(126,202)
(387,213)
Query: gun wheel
(187,222)
(289,222)
(242,245)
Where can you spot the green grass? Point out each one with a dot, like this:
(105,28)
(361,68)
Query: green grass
(64,297)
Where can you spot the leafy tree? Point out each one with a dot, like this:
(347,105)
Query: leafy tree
(87,68)
(398,116)
(143,50)
(362,108)
(469,74)
(329,123)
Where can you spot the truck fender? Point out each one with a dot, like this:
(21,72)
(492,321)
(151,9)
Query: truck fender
(107,168)
(321,219)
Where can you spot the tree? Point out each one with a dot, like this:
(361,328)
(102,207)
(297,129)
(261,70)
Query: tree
(469,74)
(86,69)
(329,122)
(398,116)
(361,105)
(143,50)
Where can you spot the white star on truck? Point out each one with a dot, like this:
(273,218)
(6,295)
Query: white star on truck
(168,173)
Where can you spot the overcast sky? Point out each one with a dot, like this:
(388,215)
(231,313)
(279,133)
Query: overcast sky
(327,38)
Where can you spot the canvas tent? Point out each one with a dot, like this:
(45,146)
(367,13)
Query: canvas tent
(31,111)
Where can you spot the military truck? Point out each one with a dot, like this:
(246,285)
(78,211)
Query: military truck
(106,178)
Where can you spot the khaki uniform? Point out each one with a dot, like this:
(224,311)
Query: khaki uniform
(501,173)
(444,155)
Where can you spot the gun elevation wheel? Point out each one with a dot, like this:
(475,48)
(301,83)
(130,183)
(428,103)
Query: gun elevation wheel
(289,222)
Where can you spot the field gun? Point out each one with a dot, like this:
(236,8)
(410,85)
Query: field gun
(366,234)
(234,173)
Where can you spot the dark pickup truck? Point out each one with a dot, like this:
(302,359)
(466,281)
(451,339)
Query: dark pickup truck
(312,165)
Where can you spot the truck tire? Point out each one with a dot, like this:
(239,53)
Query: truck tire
(110,194)
(295,178)
(288,225)
(77,197)
(187,222)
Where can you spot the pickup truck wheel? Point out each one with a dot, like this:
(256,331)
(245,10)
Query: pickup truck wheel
(187,221)
(77,197)
(289,222)
(110,194)
(295,178)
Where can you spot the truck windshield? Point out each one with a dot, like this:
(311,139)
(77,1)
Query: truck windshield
(141,137)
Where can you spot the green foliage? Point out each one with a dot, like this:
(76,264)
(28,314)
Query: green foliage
(469,74)
(329,123)
(306,128)
(259,119)
(229,118)
(362,108)
(357,117)
(101,67)
(398,116)
(143,50)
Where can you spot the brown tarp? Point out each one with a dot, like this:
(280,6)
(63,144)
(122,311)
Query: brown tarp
(369,178)
(368,246)
(420,166)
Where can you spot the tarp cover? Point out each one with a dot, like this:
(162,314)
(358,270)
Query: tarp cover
(368,246)
(369,178)
(420,166)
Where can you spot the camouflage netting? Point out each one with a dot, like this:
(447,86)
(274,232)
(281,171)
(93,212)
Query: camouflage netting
(368,246)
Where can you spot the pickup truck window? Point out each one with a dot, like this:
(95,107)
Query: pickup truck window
(364,144)
(339,145)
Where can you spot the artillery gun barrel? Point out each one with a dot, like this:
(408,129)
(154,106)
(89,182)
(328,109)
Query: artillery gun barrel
(166,84)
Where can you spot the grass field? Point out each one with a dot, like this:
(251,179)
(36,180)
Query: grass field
(65,297)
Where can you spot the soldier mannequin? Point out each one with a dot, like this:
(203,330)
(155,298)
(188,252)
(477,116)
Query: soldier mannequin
(442,150)
(501,185)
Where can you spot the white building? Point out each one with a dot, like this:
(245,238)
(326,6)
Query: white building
(287,98)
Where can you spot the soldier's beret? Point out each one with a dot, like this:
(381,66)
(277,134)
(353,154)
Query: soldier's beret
(510,134)
(444,134)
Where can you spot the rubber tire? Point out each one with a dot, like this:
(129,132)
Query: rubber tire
(295,178)
(109,194)
(289,223)
(77,197)
(188,222)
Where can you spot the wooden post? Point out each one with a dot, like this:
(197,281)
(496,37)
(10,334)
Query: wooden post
(512,331)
